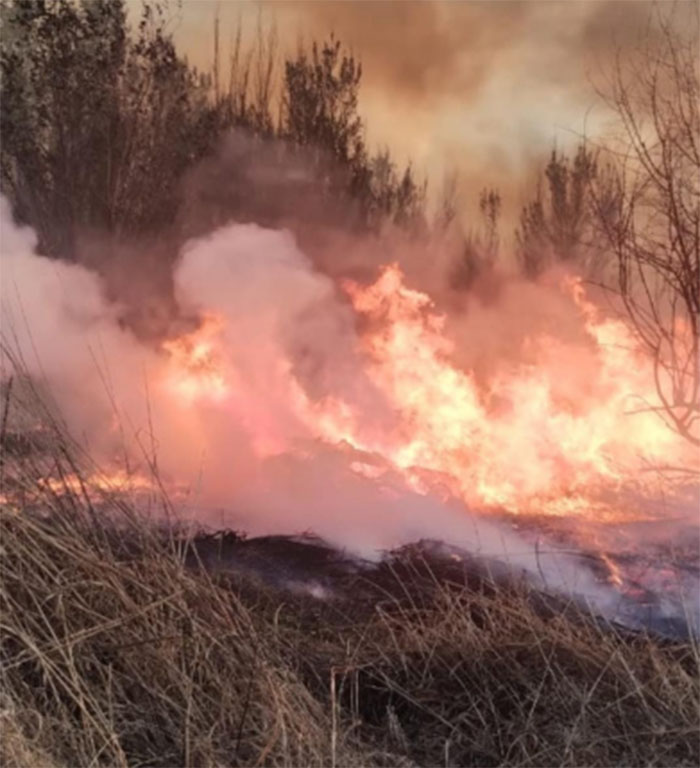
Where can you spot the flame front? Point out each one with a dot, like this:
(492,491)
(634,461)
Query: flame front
(562,434)
(515,443)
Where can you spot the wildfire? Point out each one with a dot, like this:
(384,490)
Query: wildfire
(107,482)
(196,371)
(514,444)
(116,480)
(560,434)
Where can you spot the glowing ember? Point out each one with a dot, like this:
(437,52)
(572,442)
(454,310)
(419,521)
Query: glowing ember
(115,481)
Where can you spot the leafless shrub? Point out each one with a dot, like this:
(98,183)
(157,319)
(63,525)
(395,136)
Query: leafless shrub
(647,209)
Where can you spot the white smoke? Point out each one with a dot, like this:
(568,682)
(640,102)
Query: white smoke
(248,460)
(283,323)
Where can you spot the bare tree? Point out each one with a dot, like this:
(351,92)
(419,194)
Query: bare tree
(448,202)
(479,252)
(554,226)
(647,206)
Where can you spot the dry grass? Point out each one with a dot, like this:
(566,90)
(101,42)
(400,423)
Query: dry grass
(113,652)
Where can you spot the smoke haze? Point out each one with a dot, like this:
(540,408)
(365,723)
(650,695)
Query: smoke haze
(482,88)
(249,462)
(232,406)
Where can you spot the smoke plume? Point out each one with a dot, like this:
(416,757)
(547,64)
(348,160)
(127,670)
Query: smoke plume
(285,399)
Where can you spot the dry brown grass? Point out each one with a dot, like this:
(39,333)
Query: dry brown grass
(114,653)
(115,660)
(487,680)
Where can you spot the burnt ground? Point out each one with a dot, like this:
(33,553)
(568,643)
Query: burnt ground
(306,566)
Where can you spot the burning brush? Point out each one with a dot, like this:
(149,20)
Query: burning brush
(362,412)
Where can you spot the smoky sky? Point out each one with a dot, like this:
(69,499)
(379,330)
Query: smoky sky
(427,50)
(484,89)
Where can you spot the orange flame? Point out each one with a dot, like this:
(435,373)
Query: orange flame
(560,435)
(197,371)
(516,444)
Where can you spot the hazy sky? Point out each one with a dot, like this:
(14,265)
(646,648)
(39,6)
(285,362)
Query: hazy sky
(487,87)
